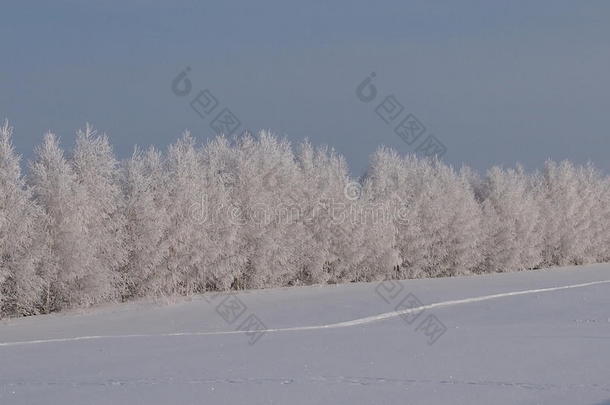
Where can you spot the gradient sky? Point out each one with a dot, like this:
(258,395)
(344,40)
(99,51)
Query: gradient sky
(496,82)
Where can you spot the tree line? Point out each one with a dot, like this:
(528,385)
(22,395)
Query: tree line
(80,227)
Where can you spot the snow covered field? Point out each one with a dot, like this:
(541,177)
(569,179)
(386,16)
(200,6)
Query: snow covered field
(550,346)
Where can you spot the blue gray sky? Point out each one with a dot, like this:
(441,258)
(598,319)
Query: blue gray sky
(496,82)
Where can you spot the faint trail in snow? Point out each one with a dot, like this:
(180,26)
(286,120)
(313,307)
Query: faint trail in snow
(345,324)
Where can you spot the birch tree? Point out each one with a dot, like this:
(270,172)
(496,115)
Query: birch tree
(21,236)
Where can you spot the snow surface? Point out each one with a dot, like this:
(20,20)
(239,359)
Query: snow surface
(339,344)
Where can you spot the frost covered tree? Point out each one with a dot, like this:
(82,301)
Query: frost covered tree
(511,221)
(592,190)
(391,178)
(201,238)
(600,245)
(436,216)
(214,215)
(146,221)
(341,235)
(377,252)
(181,273)
(265,180)
(450,219)
(101,210)
(21,236)
(66,260)
(564,213)
(82,202)
(319,184)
